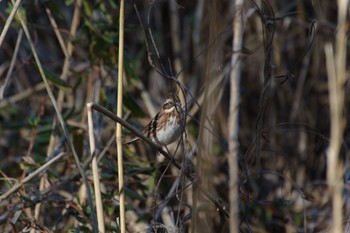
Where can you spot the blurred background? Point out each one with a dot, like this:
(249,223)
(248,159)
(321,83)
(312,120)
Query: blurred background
(283,127)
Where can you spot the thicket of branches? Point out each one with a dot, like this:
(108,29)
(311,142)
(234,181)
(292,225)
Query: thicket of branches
(286,83)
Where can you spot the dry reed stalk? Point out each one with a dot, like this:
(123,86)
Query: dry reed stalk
(119,114)
(233,125)
(98,198)
(57,32)
(336,71)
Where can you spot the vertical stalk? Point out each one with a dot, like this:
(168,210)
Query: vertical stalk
(336,71)
(98,198)
(205,162)
(235,76)
(119,114)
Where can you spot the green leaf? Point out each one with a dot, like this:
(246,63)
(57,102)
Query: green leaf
(28,166)
(108,38)
(69,2)
(87,8)
(56,80)
(20,11)
(129,70)
(151,183)
(80,229)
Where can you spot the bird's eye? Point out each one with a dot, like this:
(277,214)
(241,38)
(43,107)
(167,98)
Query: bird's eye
(168,105)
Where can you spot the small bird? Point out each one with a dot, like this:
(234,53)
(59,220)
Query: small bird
(168,124)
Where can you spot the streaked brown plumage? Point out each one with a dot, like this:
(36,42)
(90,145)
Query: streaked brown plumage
(167,126)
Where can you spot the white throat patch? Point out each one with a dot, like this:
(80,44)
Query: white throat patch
(169,110)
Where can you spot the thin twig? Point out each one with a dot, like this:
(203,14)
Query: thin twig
(22,95)
(9,20)
(57,32)
(31,176)
(175,35)
(12,64)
